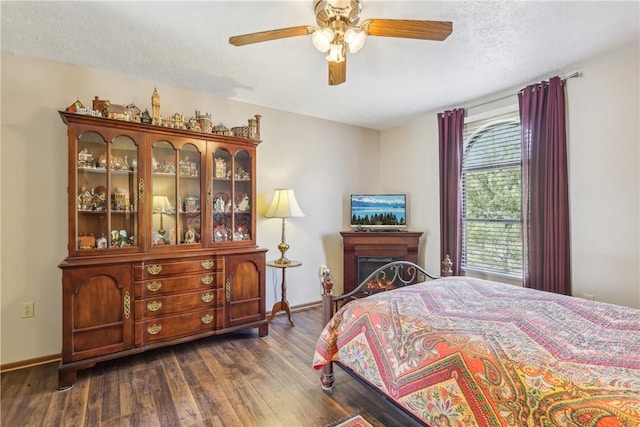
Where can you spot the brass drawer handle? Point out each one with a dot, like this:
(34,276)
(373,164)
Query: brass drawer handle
(206,280)
(208,297)
(154,330)
(154,306)
(154,269)
(154,286)
(127,305)
(206,319)
(207,264)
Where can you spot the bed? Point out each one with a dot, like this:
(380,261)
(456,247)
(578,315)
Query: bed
(458,351)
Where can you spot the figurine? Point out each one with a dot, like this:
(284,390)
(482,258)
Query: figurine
(101,243)
(155,107)
(193,125)
(243,204)
(178,121)
(135,115)
(101,105)
(205,121)
(221,168)
(190,235)
(145,117)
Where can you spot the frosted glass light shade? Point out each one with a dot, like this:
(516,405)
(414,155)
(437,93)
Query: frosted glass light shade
(355,38)
(322,38)
(336,53)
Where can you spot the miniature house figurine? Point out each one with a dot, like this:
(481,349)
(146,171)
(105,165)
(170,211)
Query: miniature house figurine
(221,168)
(135,114)
(145,117)
(205,122)
(101,105)
(73,108)
(118,112)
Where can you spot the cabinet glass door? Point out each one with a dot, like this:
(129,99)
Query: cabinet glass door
(106,200)
(222,199)
(232,190)
(163,191)
(189,171)
(242,176)
(123,195)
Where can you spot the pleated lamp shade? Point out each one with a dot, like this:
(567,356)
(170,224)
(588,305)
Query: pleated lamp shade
(284,205)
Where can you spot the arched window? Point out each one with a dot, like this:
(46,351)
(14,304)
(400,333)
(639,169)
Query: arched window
(492,196)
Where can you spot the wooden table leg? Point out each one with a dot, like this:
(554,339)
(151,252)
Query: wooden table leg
(283,304)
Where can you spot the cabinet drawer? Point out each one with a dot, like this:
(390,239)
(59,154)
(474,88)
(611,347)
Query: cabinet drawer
(152,269)
(161,306)
(169,285)
(173,327)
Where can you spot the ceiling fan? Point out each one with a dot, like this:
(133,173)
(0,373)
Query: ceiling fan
(338,29)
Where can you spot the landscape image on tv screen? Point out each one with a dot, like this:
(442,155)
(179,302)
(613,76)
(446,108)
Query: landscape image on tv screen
(378,210)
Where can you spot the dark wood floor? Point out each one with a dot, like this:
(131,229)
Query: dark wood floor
(232,380)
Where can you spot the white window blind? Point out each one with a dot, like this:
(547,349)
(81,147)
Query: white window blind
(491,196)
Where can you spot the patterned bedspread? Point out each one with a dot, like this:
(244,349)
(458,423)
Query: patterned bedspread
(467,352)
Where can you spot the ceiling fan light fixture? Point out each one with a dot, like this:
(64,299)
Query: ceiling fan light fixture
(322,38)
(336,53)
(355,38)
(339,4)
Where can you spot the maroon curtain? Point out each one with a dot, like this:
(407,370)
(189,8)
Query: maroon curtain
(545,195)
(450,130)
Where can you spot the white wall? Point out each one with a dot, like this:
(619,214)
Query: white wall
(409,164)
(323,161)
(603,119)
(604,165)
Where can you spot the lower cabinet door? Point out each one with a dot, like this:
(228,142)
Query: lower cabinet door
(97,311)
(245,288)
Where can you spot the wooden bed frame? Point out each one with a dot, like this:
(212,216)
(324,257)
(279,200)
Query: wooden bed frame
(389,276)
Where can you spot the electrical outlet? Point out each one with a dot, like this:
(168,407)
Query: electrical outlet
(27,309)
(323,269)
(588,296)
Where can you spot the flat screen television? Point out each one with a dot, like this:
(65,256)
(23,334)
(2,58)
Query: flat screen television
(379,211)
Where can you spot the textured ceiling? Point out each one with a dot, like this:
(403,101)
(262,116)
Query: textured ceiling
(494,46)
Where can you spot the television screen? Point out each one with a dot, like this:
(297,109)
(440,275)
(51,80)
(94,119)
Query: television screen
(379,211)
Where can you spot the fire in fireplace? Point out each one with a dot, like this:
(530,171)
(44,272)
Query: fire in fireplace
(369,264)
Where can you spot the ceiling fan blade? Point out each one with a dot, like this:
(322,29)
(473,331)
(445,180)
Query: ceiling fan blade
(264,36)
(408,28)
(337,72)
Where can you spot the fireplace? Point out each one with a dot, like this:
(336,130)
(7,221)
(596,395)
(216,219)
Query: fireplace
(369,264)
(364,251)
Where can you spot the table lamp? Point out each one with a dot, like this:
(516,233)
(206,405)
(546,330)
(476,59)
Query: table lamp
(284,205)
(162,205)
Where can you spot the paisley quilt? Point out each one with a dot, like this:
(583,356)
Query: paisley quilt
(467,352)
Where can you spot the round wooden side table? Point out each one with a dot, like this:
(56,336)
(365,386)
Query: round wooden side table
(283,304)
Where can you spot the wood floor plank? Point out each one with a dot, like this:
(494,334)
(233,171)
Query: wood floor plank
(233,380)
(180,392)
(93,414)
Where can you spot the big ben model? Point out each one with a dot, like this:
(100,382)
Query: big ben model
(155,107)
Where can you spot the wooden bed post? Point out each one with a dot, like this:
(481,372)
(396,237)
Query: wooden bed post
(327,377)
(447,267)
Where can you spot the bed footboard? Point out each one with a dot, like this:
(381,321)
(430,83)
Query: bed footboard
(389,276)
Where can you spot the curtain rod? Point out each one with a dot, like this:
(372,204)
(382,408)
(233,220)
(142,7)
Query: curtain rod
(565,78)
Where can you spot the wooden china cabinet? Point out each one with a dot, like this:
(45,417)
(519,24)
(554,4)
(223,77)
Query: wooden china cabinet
(162,240)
